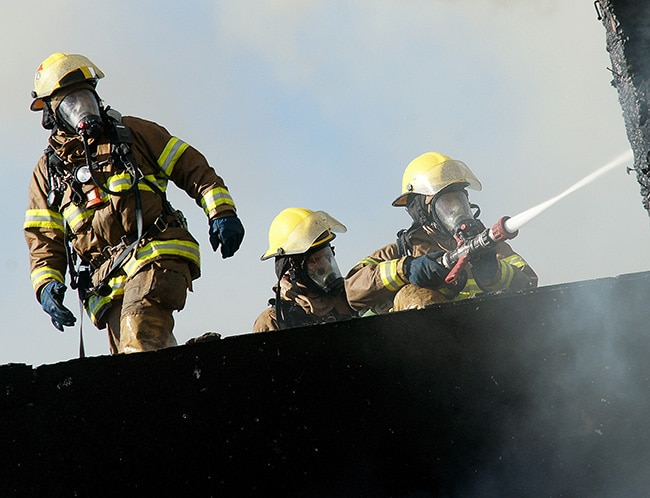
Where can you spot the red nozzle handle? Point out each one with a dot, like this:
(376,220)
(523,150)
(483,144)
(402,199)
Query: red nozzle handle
(452,276)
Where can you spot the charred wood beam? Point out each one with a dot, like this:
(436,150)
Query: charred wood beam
(627,26)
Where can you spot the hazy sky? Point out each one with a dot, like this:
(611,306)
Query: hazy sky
(322,104)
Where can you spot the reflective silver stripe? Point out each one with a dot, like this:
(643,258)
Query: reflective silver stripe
(161,183)
(40,275)
(170,154)
(76,215)
(122,182)
(389,276)
(156,248)
(43,218)
(216,197)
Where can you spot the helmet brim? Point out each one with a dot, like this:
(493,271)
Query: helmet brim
(37,105)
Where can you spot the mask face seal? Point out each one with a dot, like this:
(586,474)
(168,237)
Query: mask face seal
(452,211)
(79,112)
(322,269)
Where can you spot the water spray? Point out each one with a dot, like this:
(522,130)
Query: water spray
(508,227)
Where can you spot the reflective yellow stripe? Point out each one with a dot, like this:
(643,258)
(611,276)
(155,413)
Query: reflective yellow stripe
(170,154)
(76,215)
(368,261)
(507,274)
(516,261)
(471,289)
(161,183)
(389,276)
(43,218)
(122,182)
(216,197)
(156,248)
(40,275)
(98,305)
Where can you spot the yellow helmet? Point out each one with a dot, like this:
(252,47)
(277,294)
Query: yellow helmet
(431,172)
(60,70)
(296,230)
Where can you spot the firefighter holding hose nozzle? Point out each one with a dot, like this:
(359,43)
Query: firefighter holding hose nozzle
(447,254)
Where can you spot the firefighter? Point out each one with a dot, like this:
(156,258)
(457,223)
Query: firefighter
(310,285)
(98,208)
(408,273)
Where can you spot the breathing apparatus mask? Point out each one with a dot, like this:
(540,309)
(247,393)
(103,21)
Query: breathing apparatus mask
(449,212)
(453,212)
(317,270)
(78,113)
(322,269)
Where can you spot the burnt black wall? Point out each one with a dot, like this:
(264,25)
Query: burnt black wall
(544,393)
(627,26)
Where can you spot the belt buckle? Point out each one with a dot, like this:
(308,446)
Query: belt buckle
(160,224)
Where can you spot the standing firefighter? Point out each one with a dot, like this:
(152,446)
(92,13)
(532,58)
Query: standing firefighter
(310,285)
(98,206)
(409,273)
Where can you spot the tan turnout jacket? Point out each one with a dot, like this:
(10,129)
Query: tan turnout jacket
(373,282)
(308,309)
(97,231)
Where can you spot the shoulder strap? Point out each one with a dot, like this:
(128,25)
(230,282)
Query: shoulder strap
(404,246)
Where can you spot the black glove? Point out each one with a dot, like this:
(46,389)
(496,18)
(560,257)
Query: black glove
(425,271)
(486,266)
(229,232)
(52,302)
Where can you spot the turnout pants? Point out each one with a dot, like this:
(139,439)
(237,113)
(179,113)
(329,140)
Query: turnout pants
(142,320)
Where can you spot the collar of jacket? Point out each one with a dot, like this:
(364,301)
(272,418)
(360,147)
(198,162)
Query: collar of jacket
(70,148)
(431,239)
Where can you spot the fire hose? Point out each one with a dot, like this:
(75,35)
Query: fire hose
(508,228)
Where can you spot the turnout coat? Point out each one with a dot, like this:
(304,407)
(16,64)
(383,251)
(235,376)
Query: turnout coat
(99,225)
(374,282)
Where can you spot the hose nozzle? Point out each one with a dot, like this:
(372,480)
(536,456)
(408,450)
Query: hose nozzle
(502,231)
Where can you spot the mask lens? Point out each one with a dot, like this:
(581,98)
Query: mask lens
(453,209)
(322,268)
(80,111)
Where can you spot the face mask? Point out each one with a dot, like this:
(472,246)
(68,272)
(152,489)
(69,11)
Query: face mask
(79,111)
(322,269)
(453,211)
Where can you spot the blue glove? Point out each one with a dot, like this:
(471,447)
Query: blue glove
(425,271)
(486,267)
(52,302)
(229,232)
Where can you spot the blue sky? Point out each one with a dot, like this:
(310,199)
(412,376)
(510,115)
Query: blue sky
(322,104)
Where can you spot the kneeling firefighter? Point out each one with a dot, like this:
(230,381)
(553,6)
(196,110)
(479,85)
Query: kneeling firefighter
(409,272)
(98,207)
(310,285)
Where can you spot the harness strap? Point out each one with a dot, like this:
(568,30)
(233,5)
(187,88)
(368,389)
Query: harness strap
(129,244)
